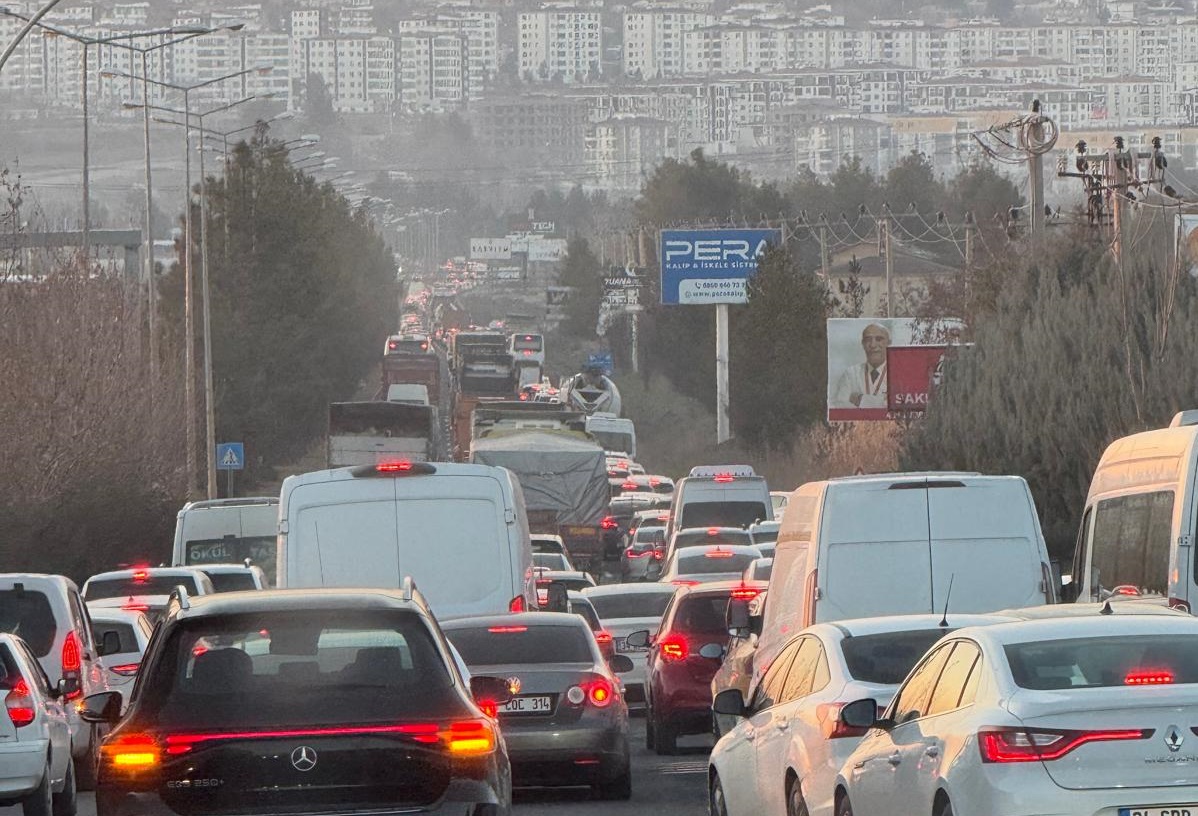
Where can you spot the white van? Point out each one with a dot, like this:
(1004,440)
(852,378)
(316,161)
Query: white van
(408,393)
(228,531)
(869,546)
(1137,532)
(615,434)
(459,530)
(720,496)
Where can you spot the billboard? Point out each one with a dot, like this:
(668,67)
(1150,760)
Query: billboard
(546,250)
(490,249)
(912,374)
(859,375)
(700,267)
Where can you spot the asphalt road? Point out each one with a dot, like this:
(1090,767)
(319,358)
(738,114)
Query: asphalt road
(662,786)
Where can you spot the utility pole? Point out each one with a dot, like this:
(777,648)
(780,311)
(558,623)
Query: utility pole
(970,226)
(888,254)
(1035,169)
(1118,165)
(825,263)
(723,430)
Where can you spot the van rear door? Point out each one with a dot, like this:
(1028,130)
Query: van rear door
(875,561)
(985,540)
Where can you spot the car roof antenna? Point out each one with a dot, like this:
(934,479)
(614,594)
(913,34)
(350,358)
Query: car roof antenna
(944,618)
(1106,608)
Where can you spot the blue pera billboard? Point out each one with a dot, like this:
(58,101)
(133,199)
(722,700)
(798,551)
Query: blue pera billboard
(711,266)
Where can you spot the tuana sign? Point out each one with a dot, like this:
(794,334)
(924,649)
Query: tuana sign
(711,266)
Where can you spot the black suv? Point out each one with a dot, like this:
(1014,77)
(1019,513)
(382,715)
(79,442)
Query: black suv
(302,701)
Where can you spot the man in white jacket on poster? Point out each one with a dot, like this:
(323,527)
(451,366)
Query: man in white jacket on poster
(864,385)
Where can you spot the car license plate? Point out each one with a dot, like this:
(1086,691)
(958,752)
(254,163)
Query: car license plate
(1161,810)
(622,646)
(528,705)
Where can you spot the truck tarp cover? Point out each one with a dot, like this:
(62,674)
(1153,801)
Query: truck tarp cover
(567,476)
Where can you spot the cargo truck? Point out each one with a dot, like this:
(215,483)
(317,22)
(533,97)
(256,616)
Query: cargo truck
(369,433)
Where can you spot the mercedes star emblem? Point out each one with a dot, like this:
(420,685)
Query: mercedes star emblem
(1174,739)
(303,759)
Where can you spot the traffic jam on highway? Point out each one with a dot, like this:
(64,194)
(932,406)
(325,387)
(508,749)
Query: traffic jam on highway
(486,591)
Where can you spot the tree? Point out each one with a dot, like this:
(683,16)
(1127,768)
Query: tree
(911,186)
(853,291)
(779,353)
(581,270)
(318,102)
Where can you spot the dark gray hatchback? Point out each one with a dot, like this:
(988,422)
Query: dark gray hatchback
(301,702)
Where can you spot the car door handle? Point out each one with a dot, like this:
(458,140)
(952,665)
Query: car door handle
(932,751)
(895,759)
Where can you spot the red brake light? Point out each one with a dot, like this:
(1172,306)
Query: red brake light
(745,593)
(673,648)
(524,397)
(599,692)
(140,576)
(629,486)
(654,481)
(393,467)
(609,523)
(135,607)
(19,702)
(1125,590)
(603,638)
(424,346)
(517,604)
(1148,677)
(489,707)
(1004,744)
(528,337)
(70,654)
(527,353)
(132,752)
(724,478)
(506,630)
(631,553)
(684,582)
(127,670)
(717,554)
(713,531)
(393,345)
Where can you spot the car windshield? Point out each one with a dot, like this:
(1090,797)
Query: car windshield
(702,538)
(232,581)
(29,615)
(702,615)
(296,668)
(631,605)
(887,657)
(150,585)
(714,563)
(1117,660)
(553,561)
(721,514)
(499,645)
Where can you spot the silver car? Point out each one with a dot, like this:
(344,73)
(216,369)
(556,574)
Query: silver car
(624,609)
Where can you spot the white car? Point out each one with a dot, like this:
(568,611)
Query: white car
(235,577)
(703,565)
(124,635)
(143,589)
(783,755)
(1073,716)
(36,770)
(552,561)
(624,609)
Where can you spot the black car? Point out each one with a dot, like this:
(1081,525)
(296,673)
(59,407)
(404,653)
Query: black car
(620,514)
(302,702)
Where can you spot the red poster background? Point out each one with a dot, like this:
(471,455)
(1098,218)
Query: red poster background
(909,373)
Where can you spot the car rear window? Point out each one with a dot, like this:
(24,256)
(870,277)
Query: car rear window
(708,564)
(232,581)
(151,585)
(124,631)
(29,615)
(702,614)
(1096,662)
(722,514)
(587,612)
(765,536)
(631,605)
(887,657)
(297,668)
(517,644)
(759,570)
(9,672)
(700,538)
(644,535)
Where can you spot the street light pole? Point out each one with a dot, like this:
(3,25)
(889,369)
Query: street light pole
(87,198)
(209,393)
(152,297)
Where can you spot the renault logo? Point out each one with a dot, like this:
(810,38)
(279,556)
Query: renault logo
(1174,739)
(303,759)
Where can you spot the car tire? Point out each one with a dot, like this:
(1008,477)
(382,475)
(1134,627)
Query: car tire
(945,809)
(795,804)
(41,801)
(715,726)
(844,807)
(618,788)
(716,804)
(87,766)
(66,803)
(665,739)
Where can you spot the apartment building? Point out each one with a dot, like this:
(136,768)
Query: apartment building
(622,151)
(655,39)
(433,70)
(563,43)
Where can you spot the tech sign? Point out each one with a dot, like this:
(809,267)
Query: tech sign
(703,267)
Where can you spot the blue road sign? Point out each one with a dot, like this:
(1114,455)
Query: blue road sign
(230,456)
(700,267)
(601,359)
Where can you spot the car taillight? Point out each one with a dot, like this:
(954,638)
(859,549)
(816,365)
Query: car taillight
(673,648)
(20,704)
(470,738)
(603,638)
(609,523)
(1148,677)
(140,576)
(631,553)
(829,718)
(629,486)
(132,752)
(393,345)
(517,604)
(1005,744)
(126,670)
(658,554)
(713,531)
(724,478)
(527,353)
(393,467)
(745,593)
(490,708)
(70,654)
(599,692)
(135,607)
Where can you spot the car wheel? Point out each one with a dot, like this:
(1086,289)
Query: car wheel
(665,739)
(715,726)
(40,801)
(844,807)
(716,805)
(945,809)
(65,803)
(617,788)
(87,766)
(795,804)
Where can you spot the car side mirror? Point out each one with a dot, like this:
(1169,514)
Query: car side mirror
(730,702)
(103,708)
(558,598)
(490,689)
(638,639)
(737,618)
(110,644)
(620,664)
(712,651)
(860,714)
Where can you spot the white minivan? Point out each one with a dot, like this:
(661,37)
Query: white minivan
(1137,532)
(228,531)
(459,530)
(720,496)
(870,546)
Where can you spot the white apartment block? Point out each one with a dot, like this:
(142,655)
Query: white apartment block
(565,43)
(622,152)
(433,70)
(481,30)
(654,39)
(359,72)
